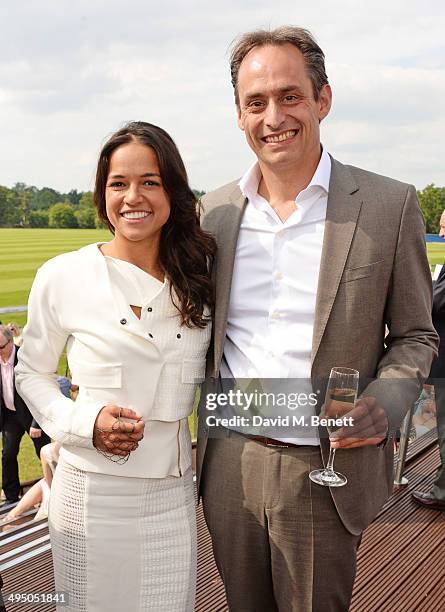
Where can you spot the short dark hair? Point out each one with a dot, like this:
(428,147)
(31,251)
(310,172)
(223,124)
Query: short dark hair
(186,251)
(300,38)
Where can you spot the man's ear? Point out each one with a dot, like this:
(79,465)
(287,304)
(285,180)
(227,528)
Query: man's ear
(324,101)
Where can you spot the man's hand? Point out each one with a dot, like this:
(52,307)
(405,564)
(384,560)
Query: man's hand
(118,430)
(369,426)
(35,432)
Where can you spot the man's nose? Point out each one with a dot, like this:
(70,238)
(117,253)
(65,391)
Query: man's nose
(274,115)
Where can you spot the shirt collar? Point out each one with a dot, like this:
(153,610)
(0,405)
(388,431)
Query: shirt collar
(251,179)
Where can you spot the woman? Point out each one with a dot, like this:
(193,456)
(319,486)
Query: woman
(134,313)
(38,494)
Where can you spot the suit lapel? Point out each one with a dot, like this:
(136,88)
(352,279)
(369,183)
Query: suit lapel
(344,203)
(229,230)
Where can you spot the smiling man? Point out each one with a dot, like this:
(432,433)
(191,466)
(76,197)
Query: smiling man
(314,259)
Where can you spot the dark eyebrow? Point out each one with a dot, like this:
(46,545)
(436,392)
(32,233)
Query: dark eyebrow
(121,176)
(280,91)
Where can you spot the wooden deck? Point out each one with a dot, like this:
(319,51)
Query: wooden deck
(401,565)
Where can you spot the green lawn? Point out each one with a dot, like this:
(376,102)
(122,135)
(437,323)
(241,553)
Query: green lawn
(436,253)
(22,251)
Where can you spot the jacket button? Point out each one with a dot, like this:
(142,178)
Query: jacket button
(178,335)
(123,321)
(151,335)
(150,309)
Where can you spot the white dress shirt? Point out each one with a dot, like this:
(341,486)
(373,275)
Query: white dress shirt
(274,288)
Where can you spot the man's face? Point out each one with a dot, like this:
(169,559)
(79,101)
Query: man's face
(278,112)
(442,225)
(5,347)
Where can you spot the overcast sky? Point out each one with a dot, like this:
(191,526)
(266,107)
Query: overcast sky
(71,72)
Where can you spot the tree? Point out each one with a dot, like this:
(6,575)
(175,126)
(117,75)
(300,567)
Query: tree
(86,201)
(86,217)
(432,203)
(38,218)
(62,215)
(44,198)
(73,197)
(3,204)
(12,211)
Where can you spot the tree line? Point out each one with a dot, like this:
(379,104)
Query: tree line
(28,206)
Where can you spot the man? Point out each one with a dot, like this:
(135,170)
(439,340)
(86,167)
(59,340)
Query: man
(435,498)
(15,418)
(314,259)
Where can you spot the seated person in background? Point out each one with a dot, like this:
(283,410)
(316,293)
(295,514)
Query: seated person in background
(38,494)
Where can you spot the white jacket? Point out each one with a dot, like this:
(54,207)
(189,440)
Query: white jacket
(111,357)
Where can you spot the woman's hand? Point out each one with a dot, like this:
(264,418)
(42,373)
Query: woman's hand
(118,430)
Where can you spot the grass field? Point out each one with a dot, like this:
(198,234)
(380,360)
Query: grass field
(436,253)
(22,251)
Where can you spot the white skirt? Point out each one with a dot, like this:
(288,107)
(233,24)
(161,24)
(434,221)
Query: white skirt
(122,543)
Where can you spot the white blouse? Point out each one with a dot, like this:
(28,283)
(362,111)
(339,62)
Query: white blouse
(170,438)
(152,364)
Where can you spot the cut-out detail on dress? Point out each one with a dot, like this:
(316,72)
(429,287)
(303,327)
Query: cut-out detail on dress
(137,310)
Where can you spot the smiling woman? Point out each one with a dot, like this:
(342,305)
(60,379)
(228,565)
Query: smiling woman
(135,315)
(137,205)
(168,237)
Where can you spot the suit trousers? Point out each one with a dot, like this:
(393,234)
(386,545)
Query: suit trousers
(13,430)
(278,541)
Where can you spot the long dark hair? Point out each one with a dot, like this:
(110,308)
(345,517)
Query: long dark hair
(186,251)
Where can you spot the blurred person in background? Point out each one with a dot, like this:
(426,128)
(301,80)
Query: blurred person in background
(15,418)
(435,497)
(38,494)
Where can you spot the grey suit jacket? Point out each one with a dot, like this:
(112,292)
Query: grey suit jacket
(374,273)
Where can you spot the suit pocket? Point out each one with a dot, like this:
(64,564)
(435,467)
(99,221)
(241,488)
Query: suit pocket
(352,274)
(96,376)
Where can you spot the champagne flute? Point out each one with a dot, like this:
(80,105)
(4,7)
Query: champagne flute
(341,395)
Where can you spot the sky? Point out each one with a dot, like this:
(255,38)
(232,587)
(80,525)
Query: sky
(71,73)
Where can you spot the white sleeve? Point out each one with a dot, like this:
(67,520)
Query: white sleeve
(44,339)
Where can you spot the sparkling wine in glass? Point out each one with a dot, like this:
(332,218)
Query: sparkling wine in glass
(341,395)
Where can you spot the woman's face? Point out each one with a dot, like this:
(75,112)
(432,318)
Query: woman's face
(136,202)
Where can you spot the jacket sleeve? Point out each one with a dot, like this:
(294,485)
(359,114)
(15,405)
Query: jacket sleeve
(412,342)
(68,422)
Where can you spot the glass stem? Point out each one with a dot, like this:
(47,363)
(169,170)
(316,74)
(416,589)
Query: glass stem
(330,464)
